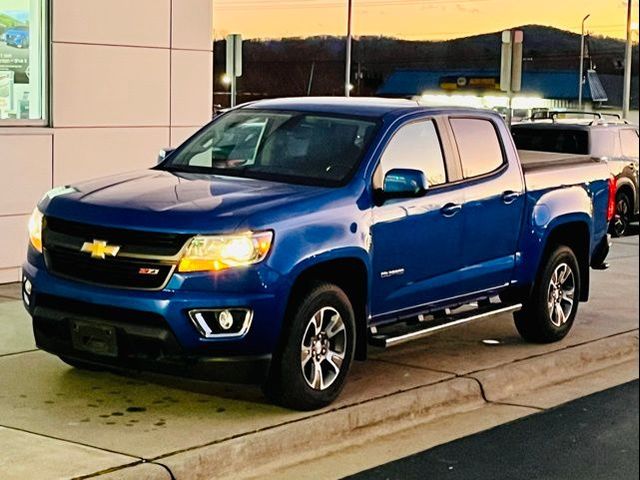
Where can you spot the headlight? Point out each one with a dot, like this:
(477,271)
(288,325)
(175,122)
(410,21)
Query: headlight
(206,253)
(35,229)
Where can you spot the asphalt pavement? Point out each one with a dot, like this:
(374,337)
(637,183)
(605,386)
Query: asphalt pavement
(594,437)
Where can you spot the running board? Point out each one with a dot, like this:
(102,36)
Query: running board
(409,334)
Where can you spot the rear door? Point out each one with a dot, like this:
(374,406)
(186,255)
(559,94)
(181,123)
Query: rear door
(493,202)
(416,243)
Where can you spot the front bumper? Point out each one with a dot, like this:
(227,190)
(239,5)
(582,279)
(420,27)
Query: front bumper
(153,330)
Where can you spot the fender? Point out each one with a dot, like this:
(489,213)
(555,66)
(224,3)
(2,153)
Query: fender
(552,210)
(363,315)
(345,253)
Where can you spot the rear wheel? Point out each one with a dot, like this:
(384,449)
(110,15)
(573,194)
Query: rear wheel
(622,219)
(548,315)
(309,370)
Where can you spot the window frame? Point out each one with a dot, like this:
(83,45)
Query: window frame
(378,177)
(483,176)
(45,47)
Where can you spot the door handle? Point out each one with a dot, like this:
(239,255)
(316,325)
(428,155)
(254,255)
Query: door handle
(450,209)
(510,196)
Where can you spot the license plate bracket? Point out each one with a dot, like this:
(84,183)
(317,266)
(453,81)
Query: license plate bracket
(92,338)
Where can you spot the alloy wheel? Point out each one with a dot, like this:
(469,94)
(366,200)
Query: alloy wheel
(323,348)
(621,221)
(561,294)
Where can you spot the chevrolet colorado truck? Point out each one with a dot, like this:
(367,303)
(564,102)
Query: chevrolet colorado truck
(285,237)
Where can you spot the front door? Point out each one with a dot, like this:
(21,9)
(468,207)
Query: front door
(416,245)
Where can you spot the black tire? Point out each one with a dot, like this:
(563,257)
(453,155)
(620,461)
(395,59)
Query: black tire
(80,365)
(623,216)
(288,383)
(540,321)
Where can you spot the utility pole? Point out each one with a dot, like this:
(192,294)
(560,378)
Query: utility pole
(626,96)
(310,84)
(347,77)
(581,77)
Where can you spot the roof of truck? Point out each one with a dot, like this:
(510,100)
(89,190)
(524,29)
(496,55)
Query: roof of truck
(356,106)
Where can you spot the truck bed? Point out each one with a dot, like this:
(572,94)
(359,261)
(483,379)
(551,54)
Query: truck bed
(548,169)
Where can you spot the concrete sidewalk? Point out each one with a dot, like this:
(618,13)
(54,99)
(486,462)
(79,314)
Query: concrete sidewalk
(83,424)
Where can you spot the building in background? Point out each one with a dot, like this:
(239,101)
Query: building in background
(551,89)
(93,87)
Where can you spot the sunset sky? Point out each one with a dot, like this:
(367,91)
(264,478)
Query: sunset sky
(413,19)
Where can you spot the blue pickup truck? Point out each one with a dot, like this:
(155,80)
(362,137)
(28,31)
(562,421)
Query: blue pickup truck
(285,237)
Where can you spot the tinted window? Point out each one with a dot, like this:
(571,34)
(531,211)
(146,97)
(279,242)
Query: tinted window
(417,147)
(478,145)
(279,146)
(552,140)
(630,143)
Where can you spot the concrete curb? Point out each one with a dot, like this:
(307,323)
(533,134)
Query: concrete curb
(142,471)
(324,433)
(260,452)
(524,376)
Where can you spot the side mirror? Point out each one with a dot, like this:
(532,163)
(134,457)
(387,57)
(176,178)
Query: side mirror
(164,153)
(404,183)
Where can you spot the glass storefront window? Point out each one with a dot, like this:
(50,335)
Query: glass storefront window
(23,48)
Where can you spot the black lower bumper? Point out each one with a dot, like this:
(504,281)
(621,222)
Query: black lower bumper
(146,344)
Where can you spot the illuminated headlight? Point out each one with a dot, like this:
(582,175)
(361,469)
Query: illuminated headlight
(219,252)
(35,229)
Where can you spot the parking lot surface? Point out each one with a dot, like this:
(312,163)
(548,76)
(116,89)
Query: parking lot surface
(84,423)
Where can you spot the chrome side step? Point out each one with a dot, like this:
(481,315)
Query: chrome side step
(379,339)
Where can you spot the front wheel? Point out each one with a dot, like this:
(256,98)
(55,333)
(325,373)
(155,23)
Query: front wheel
(309,370)
(548,315)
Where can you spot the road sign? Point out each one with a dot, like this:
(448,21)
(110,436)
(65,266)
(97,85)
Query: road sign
(234,63)
(511,61)
(234,55)
(511,65)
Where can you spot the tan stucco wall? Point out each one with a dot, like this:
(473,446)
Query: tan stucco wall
(127,78)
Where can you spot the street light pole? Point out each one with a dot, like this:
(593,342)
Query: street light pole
(626,96)
(580,79)
(347,79)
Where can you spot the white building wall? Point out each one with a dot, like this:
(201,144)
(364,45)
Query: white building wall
(127,78)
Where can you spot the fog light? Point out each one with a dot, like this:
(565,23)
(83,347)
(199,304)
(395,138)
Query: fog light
(225,319)
(26,291)
(222,323)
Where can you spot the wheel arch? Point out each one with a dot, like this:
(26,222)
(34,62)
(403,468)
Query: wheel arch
(351,274)
(576,235)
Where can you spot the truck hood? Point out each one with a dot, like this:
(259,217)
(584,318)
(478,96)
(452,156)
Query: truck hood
(157,200)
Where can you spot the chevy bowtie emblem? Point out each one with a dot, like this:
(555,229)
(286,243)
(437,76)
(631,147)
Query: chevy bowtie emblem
(100,249)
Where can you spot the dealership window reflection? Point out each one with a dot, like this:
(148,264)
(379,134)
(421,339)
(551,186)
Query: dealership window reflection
(22,61)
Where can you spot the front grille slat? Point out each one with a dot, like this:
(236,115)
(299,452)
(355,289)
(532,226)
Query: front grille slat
(62,241)
(132,241)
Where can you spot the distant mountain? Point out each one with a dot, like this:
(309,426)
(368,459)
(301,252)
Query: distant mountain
(284,67)
(8,21)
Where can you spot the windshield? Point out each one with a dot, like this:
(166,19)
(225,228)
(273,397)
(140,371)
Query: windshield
(552,140)
(280,146)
